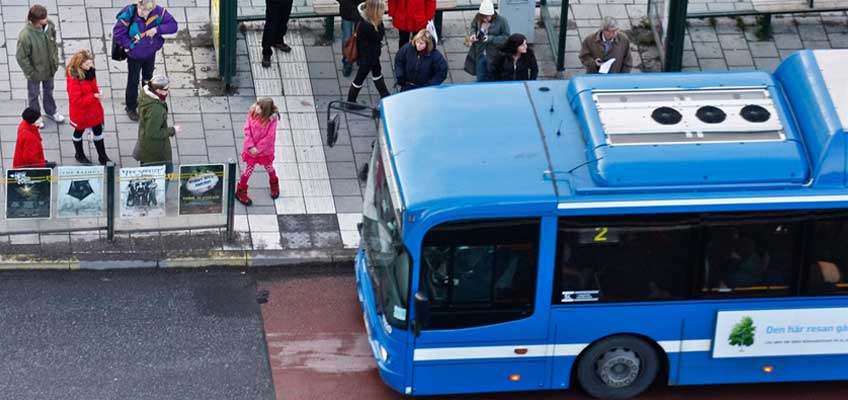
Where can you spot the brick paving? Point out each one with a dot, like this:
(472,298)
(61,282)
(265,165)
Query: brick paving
(320,202)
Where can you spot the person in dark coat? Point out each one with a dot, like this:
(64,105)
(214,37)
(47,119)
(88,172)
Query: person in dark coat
(369,43)
(349,14)
(515,62)
(419,64)
(277,13)
(29,151)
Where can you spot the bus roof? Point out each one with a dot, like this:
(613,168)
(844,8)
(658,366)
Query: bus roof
(539,145)
(467,145)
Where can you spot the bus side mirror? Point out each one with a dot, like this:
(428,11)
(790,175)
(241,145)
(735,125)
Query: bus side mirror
(422,313)
(332,130)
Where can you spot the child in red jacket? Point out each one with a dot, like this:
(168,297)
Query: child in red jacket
(86,110)
(260,133)
(29,152)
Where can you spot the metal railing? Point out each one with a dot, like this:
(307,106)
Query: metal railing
(35,215)
(555,39)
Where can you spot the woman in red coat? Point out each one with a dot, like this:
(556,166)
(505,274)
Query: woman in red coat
(410,16)
(86,110)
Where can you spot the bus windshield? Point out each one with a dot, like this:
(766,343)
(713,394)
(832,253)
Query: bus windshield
(388,260)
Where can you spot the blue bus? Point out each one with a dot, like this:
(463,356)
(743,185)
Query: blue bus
(609,232)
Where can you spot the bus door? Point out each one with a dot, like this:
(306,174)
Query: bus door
(487,328)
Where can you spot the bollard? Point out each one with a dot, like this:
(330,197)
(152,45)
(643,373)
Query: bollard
(231,198)
(110,201)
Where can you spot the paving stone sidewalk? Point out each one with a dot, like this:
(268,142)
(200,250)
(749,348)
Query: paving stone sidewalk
(321,197)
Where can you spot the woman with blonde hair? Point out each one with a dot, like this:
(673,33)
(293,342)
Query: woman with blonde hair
(84,101)
(419,64)
(260,134)
(369,42)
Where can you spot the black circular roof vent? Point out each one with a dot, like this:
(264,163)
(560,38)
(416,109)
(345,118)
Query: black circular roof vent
(666,116)
(711,115)
(755,113)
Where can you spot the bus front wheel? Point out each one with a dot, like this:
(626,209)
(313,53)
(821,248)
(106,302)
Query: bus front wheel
(618,367)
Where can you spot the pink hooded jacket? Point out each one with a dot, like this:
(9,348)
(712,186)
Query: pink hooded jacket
(263,137)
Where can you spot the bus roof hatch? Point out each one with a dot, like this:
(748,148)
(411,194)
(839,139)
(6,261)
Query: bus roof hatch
(687,130)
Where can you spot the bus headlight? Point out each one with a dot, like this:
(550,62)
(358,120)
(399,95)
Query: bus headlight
(384,355)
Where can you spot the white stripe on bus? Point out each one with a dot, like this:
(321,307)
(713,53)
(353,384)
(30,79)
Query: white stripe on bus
(701,202)
(542,350)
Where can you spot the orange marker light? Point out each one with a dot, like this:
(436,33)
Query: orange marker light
(515,377)
(768,369)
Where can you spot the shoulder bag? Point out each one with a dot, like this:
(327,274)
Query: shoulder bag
(351,53)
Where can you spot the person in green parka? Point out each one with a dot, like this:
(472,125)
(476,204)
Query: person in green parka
(38,56)
(154,135)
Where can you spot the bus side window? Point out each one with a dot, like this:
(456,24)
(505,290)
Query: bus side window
(750,258)
(480,272)
(633,263)
(828,258)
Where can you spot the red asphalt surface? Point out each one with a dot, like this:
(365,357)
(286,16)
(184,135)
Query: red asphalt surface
(318,351)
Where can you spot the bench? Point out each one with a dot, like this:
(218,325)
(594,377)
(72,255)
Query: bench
(329,9)
(766,8)
(769,7)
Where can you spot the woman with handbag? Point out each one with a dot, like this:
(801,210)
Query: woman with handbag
(85,107)
(369,34)
(488,33)
(348,12)
(409,16)
(139,31)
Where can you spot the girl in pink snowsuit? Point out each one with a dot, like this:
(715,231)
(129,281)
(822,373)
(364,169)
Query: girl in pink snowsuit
(260,133)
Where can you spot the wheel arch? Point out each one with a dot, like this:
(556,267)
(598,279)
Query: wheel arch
(662,356)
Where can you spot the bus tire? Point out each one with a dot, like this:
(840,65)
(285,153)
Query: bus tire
(617,367)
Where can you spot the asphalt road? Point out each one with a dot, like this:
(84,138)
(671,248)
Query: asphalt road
(318,350)
(131,335)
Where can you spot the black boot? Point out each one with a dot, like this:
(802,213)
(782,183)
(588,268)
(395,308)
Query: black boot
(352,94)
(79,154)
(101,152)
(381,87)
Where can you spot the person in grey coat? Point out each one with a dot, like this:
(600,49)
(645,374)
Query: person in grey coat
(488,33)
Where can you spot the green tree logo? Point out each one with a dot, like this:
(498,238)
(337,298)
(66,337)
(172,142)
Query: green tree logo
(743,333)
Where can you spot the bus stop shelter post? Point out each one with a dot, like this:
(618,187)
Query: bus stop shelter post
(563,28)
(231,198)
(676,32)
(437,20)
(110,201)
(329,27)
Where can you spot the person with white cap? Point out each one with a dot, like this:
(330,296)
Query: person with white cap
(488,33)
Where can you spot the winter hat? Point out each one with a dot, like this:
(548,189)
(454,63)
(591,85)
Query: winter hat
(159,82)
(487,8)
(30,116)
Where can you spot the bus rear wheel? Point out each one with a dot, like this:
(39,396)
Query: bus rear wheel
(618,367)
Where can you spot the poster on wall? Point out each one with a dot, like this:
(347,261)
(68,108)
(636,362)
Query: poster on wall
(201,189)
(80,192)
(142,192)
(28,193)
(790,332)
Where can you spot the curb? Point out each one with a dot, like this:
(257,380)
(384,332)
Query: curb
(217,258)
